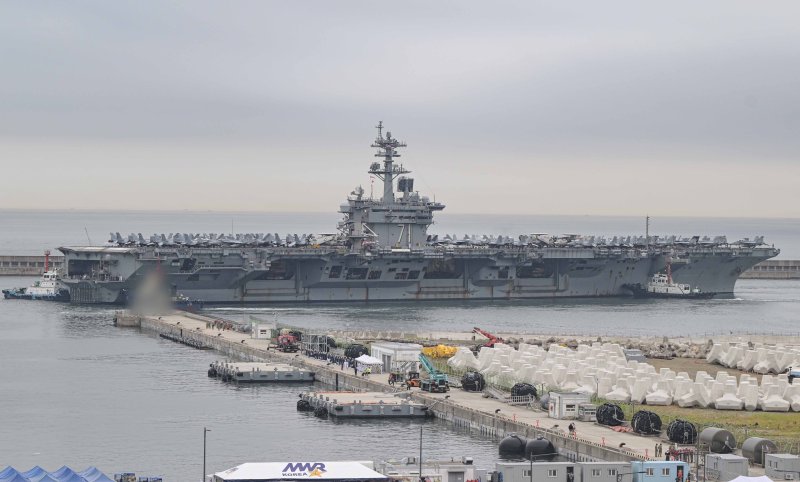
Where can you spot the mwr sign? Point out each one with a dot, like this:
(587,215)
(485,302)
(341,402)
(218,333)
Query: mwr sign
(303,469)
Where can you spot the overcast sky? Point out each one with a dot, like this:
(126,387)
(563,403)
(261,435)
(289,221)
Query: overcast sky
(623,108)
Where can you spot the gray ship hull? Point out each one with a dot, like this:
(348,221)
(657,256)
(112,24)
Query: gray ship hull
(489,276)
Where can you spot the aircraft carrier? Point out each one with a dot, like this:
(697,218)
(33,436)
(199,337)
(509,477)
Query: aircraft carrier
(382,251)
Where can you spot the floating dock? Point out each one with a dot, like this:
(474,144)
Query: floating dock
(361,405)
(257,372)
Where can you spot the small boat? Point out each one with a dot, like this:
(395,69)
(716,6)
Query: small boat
(662,286)
(184,303)
(48,288)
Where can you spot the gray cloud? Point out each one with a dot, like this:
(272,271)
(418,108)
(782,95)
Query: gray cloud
(606,99)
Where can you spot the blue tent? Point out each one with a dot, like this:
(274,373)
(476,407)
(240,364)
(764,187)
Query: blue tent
(11,475)
(8,470)
(93,474)
(38,474)
(66,474)
(63,474)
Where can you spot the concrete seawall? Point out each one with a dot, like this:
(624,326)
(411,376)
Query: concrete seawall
(774,269)
(27,265)
(488,417)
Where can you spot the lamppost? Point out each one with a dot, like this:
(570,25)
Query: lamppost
(205,431)
(421,478)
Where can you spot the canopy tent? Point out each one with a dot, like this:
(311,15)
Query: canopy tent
(12,476)
(6,472)
(274,471)
(38,474)
(369,361)
(760,478)
(63,474)
(93,474)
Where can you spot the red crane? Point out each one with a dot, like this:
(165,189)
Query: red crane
(492,338)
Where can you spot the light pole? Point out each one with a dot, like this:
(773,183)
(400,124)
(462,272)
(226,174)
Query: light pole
(421,478)
(205,431)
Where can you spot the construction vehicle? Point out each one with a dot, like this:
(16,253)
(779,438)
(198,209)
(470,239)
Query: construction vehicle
(493,340)
(288,342)
(412,379)
(436,381)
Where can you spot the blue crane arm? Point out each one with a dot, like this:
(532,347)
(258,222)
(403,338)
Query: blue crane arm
(432,371)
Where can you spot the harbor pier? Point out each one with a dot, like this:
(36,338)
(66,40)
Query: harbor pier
(469,410)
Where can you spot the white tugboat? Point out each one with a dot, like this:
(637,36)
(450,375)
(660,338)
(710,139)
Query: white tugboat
(49,287)
(661,285)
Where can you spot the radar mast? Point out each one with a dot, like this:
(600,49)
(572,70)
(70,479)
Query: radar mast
(387,149)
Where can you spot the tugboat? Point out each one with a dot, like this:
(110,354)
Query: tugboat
(661,285)
(48,288)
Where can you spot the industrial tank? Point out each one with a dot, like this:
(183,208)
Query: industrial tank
(719,441)
(544,401)
(754,449)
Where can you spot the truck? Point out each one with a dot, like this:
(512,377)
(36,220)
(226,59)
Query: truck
(436,382)
(287,343)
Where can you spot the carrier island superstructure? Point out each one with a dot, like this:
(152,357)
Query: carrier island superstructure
(383,251)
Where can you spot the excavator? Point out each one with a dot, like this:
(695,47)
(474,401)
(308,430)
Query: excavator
(436,381)
(490,343)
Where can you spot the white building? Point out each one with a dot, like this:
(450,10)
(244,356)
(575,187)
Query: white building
(395,356)
(725,467)
(782,466)
(564,406)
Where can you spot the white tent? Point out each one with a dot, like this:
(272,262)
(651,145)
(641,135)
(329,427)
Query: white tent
(274,471)
(760,478)
(369,361)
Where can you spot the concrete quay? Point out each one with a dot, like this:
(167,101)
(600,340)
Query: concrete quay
(468,410)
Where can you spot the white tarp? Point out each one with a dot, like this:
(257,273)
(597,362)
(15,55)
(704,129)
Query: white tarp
(299,471)
(368,360)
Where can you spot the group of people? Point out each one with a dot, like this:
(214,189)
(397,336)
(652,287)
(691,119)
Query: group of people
(344,362)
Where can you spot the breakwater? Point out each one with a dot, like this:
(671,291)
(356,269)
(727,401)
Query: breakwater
(466,410)
(774,269)
(27,265)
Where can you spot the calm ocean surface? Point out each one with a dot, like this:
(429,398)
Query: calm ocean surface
(78,391)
